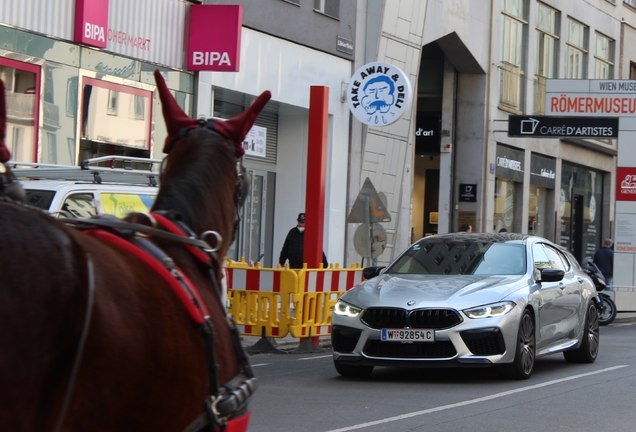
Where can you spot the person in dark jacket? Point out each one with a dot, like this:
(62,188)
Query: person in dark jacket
(604,260)
(294,246)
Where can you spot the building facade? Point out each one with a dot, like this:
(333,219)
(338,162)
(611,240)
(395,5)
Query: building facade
(448,160)
(474,64)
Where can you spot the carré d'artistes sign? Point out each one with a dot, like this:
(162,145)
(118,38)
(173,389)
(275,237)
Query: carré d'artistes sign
(379,93)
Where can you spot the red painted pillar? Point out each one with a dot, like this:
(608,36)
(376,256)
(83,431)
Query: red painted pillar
(316,175)
(316,180)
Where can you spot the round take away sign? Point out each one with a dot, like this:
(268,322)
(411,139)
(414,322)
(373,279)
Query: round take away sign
(379,93)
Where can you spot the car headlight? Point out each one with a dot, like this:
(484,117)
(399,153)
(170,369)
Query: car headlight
(342,308)
(490,310)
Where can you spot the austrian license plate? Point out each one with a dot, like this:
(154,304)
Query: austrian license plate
(408,335)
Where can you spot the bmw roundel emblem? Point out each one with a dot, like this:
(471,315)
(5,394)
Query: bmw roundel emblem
(410,302)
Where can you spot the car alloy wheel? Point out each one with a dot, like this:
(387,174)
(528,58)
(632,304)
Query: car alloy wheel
(525,354)
(588,350)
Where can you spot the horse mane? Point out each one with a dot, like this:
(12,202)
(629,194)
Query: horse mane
(190,185)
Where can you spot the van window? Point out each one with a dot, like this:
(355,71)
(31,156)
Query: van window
(80,205)
(39,198)
(121,204)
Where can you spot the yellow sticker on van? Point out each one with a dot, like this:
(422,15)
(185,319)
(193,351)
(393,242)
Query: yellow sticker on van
(120,204)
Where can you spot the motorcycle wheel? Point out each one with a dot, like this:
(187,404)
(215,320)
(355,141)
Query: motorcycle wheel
(606,311)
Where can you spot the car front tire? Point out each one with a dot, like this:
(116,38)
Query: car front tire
(523,365)
(352,370)
(588,350)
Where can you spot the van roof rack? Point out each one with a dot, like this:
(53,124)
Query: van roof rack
(120,170)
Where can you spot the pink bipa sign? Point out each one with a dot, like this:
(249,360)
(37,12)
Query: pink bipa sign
(91,22)
(214,38)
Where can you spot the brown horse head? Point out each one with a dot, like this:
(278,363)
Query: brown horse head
(99,340)
(199,151)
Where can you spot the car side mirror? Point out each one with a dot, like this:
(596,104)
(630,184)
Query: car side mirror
(552,275)
(371,272)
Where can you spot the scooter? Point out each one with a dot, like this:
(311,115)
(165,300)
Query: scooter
(606,306)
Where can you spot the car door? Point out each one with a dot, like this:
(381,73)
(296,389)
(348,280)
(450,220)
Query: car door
(569,303)
(552,309)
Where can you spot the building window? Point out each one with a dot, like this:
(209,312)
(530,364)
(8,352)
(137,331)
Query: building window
(113,97)
(603,64)
(513,37)
(138,107)
(630,3)
(293,1)
(546,61)
(328,7)
(632,70)
(577,50)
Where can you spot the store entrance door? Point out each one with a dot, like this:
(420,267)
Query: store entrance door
(249,241)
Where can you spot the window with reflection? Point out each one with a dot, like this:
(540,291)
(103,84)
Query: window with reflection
(115,120)
(22,83)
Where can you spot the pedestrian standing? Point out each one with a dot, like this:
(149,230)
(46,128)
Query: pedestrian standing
(604,260)
(294,246)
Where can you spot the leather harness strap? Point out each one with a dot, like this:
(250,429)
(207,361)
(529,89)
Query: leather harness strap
(226,407)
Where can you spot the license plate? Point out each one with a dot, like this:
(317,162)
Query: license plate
(408,335)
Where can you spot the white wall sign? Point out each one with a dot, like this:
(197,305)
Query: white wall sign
(254,143)
(599,98)
(379,93)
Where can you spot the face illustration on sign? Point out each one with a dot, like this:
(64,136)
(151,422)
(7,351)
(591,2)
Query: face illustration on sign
(378,94)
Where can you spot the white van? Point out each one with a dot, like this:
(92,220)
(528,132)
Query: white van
(88,190)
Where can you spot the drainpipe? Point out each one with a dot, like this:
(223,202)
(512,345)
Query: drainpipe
(486,178)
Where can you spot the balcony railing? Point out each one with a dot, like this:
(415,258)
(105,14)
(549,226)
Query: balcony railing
(539,94)
(20,106)
(510,96)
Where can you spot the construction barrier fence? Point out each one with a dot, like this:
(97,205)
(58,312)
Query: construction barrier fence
(275,302)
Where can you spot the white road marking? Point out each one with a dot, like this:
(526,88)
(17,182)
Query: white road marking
(314,358)
(622,325)
(473,401)
(260,364)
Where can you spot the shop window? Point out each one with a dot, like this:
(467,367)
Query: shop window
(504,205)
(581,210)
(537,214)
(115,120)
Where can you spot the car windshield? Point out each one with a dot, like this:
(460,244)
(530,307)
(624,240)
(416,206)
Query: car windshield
(461,257)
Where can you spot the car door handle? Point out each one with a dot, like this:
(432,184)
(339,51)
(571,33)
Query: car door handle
(581,280)
(561,285)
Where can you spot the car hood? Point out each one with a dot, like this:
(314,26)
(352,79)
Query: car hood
(425,291)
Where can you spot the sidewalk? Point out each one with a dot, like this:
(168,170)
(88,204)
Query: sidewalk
(287,345)
(626,317)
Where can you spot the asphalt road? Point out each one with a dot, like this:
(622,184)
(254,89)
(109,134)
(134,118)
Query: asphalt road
(303,392)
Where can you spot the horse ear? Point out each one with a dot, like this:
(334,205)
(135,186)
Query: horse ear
(5,155)
(237,128)
(234,129)
(175,118)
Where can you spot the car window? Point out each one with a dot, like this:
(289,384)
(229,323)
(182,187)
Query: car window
(547,257)
(461,257)
(39,198)
(540,257)
(562,262)
(80,205)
